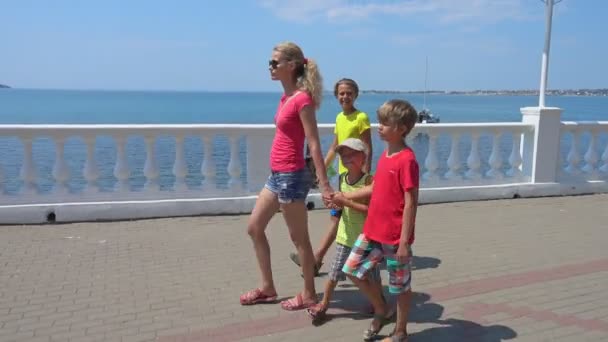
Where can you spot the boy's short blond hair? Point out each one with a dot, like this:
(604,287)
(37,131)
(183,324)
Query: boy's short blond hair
(398,113)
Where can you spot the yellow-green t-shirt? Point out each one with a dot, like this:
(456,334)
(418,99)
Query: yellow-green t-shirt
(350,126)
(351,221)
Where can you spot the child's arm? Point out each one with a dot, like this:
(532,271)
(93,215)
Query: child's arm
(361,194)
(409,220)
(340,200)
(331,153)
(366,137)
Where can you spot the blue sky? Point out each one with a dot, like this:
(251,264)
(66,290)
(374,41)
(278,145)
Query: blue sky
(225,45)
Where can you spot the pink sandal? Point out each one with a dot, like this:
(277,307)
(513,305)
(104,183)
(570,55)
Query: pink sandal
(256,296)
(296,303)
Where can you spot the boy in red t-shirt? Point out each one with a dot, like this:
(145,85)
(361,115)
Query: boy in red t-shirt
(388,232)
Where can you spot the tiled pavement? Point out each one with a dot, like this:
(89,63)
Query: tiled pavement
(522,270)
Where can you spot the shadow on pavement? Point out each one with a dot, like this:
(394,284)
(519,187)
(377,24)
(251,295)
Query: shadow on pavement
(351,304)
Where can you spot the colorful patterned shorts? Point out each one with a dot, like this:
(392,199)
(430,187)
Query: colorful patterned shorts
(367,254)
(342,253)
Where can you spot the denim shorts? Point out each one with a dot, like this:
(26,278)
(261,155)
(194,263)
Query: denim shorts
(290,186)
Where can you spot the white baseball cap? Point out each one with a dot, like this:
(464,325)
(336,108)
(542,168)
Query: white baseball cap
(353,144)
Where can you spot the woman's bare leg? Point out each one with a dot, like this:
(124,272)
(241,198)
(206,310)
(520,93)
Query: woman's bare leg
(296,218)
(266,206)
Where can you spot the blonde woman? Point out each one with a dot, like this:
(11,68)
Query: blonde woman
(290,179)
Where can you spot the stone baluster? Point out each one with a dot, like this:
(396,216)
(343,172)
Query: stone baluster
(234,166)
(180,168)
(604,168)
(61,173)
(573,158)
(591,157)
(495,160)
(121,168)
(431,162)
(150,167)
(208,166)
(515,159)
(454,160)
(90,172)
(473,160)
(28,168)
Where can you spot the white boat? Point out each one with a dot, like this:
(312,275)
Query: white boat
(425,115)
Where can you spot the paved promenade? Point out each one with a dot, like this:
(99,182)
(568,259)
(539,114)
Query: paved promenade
(521,270)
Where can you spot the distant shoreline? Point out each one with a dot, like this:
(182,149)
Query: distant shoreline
(525,92)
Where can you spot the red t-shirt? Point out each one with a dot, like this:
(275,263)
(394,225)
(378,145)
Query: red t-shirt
(287,151)
(394,176)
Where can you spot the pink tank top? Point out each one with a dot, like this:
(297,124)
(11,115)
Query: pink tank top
(287,151)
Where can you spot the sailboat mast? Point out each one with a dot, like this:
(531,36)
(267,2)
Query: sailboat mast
(426,72)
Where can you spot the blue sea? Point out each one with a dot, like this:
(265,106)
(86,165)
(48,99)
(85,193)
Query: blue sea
(161,107)
(167,107)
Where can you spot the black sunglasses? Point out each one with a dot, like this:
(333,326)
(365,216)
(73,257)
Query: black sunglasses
(273,63)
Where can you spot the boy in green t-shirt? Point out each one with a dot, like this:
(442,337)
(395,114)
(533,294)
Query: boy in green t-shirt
(353,153)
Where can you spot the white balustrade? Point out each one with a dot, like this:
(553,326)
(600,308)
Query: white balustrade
(454,160)
(573,158)
(208,166)
(234,168)
(61,173)
(591,157)
(604,167)
(456,165)
(150,168)
(180,168)
(121,168)
(90,172)
(515,159)
(431,162)
(474,160)
(590,165)
(28,172)
(495,160)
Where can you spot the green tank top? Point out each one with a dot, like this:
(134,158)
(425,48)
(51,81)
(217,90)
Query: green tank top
(351,221)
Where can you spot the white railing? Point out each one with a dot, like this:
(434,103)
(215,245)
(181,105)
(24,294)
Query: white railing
(465,163)
(587,151)
(463,166)
(86,172)
(256,137)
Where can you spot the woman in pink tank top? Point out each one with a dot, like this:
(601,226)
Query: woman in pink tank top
(290,179)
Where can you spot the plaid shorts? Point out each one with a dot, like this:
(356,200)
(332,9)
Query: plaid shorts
(367,254)
(342,253)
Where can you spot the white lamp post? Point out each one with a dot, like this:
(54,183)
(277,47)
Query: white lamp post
(544,73)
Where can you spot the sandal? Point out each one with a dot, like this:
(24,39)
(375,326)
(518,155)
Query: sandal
(317,313)
(371,333)
(393,338)
(296,260)
(296,303)
(256,296)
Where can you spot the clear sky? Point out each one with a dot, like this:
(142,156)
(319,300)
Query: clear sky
(225,45)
